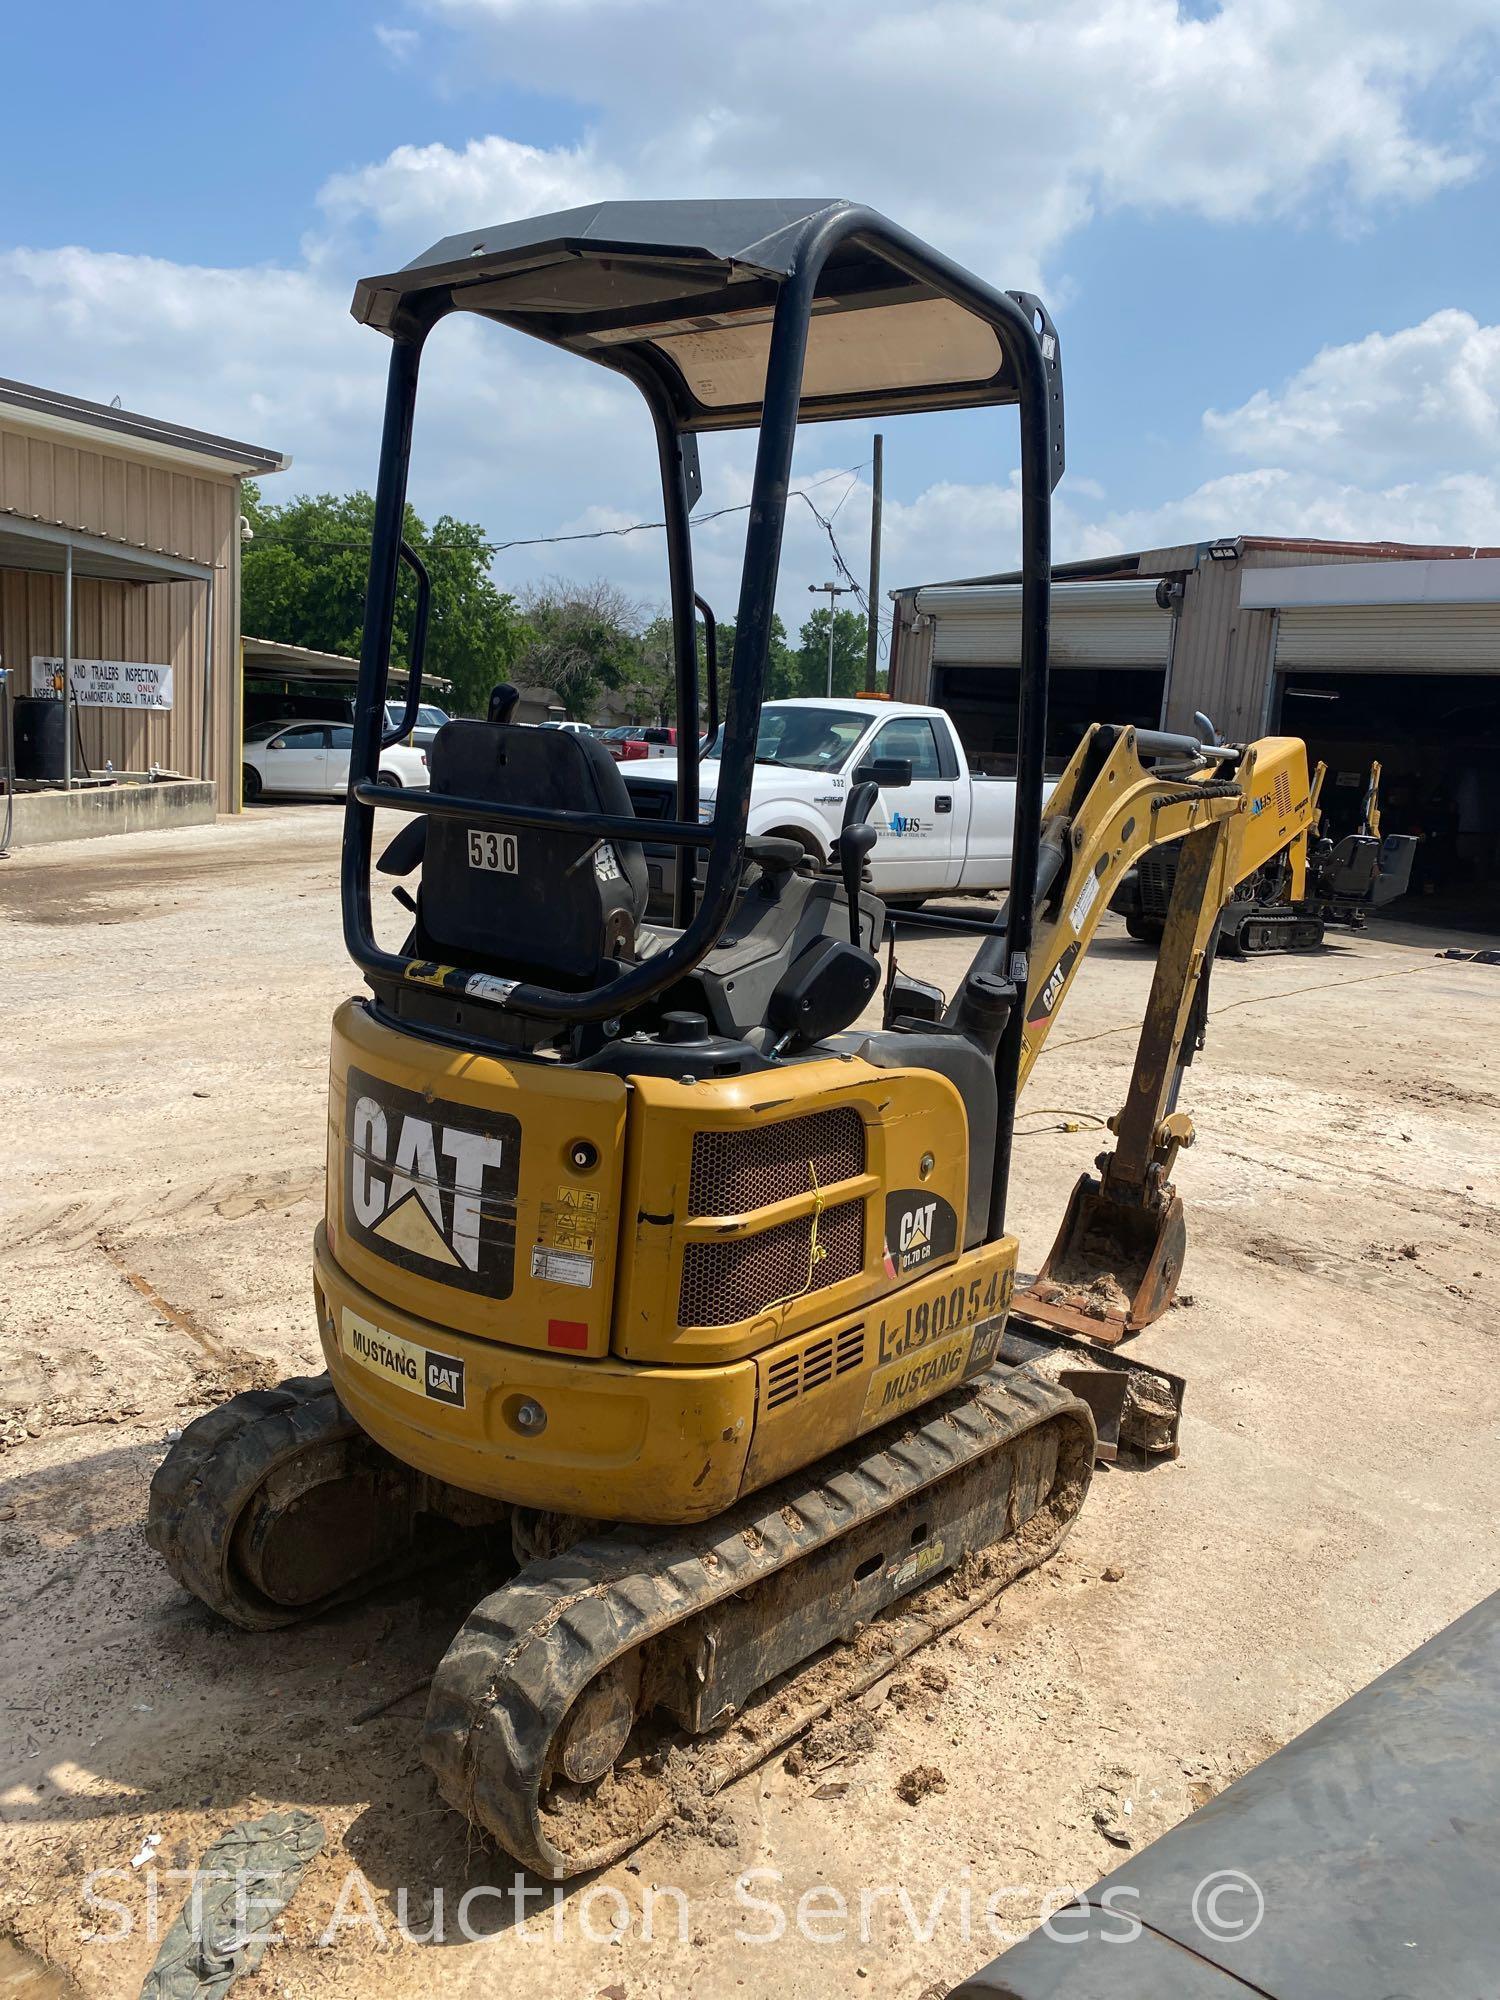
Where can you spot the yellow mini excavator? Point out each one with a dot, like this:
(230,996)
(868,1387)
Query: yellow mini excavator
(641,1253)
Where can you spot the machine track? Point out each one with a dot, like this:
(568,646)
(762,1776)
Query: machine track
(561,1718)
(1266,931)
(276,1505)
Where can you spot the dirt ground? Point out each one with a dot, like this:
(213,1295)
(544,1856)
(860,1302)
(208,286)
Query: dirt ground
(167,999)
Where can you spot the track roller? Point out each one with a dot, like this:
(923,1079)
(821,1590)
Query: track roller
(562,1718)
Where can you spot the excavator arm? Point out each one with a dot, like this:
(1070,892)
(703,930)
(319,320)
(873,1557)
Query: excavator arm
(1117,1257)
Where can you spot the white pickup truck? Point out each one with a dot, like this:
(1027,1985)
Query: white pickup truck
(948,831)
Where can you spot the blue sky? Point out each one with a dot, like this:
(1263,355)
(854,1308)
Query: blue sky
(1266,231)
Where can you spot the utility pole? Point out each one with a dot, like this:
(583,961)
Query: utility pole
(872,635)
(832,591)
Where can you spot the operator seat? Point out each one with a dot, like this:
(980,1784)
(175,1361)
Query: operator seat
(550,905)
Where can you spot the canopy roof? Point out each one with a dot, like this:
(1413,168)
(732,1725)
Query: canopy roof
(684,291)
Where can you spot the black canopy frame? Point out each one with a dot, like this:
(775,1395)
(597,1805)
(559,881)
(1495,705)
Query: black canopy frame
(681,298)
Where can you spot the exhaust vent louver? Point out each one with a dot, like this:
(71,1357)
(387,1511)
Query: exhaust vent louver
(794,1375)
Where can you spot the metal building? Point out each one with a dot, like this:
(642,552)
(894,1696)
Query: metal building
(1369,651)
(119,597)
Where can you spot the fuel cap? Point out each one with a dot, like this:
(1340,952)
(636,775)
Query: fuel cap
(684,1028)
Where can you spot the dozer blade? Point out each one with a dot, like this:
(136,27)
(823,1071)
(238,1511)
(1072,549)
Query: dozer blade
(1113,1268)
(562,1717)
(1136,1405)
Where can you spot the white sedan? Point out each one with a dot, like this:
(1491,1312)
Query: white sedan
(312,758)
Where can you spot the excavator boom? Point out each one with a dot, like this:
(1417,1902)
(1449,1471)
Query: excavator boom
(1119,1252)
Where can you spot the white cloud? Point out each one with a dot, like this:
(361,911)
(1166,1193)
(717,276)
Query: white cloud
(513,436)
(400,44)
(1426,396)
(419,193)
(1058,109)
(269,355)
(508,433)
(1001,125)
(1460,508)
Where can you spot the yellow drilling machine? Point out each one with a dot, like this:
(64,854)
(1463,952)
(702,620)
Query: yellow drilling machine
(643,1256)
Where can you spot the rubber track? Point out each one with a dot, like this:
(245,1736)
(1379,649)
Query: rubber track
(528,1650)
(209,1477)
(1241,949)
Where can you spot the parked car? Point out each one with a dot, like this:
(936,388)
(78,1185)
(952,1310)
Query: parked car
(634,741)
(429,721)
(948,831)
(313,758)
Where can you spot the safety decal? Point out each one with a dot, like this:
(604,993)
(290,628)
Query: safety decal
(926,1560)
(431,1186)
(485,986)
(562,1267)
(1088,895)
(572,1221)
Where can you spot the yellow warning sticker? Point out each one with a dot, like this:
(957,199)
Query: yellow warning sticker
(572,1222)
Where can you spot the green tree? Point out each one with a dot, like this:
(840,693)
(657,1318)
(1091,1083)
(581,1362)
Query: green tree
(303,582)
(780,662)
(579,640)
(809,664)
(650,690)
(657,692)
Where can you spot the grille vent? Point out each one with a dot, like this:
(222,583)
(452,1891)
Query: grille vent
(739,1277)
(753,1166)
(1156,873)
(794,1375)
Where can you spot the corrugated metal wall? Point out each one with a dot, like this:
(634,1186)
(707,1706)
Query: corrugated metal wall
(911,653)
(104,491)
(1224,657)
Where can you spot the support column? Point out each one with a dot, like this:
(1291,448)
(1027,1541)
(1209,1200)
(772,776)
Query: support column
(68,667)
(208,678)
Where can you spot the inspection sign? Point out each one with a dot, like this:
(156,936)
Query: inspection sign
(106,683)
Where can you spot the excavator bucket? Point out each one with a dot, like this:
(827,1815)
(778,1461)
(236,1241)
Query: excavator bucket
(1114,1266)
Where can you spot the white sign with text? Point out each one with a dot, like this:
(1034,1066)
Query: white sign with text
(106,683)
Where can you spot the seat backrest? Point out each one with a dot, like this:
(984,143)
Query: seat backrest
(1352,867)
(549,905)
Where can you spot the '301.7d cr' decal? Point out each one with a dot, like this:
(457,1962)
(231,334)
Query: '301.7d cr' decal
(431,1186)
(918,1227)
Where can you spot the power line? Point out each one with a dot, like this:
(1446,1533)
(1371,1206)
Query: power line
(824,521)
(804,494)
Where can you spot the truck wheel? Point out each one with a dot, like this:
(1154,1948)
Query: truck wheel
(1144,930)
(904,902)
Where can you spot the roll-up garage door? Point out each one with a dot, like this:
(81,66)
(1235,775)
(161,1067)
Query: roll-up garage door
(1390,638)
(1093,625)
